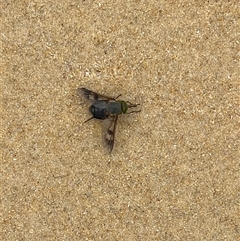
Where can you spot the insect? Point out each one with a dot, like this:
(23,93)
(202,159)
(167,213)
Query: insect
(107,109)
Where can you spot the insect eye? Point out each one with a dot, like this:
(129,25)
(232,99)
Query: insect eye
(124,106)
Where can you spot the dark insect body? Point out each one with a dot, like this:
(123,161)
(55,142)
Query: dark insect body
(107,109)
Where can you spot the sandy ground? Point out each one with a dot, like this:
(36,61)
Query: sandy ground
(174,173)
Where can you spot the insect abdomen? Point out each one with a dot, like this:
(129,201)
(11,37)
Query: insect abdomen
(98,110)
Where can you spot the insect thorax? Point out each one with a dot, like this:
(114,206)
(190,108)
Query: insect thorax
(117,107)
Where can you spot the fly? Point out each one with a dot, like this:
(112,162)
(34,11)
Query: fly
(107,109)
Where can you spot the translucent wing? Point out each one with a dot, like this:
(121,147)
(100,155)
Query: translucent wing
(108,131)
(91,95)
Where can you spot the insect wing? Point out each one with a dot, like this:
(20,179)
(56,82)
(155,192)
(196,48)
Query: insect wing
(108,131)
(91,95)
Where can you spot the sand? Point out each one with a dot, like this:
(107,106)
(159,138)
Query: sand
(174,173)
